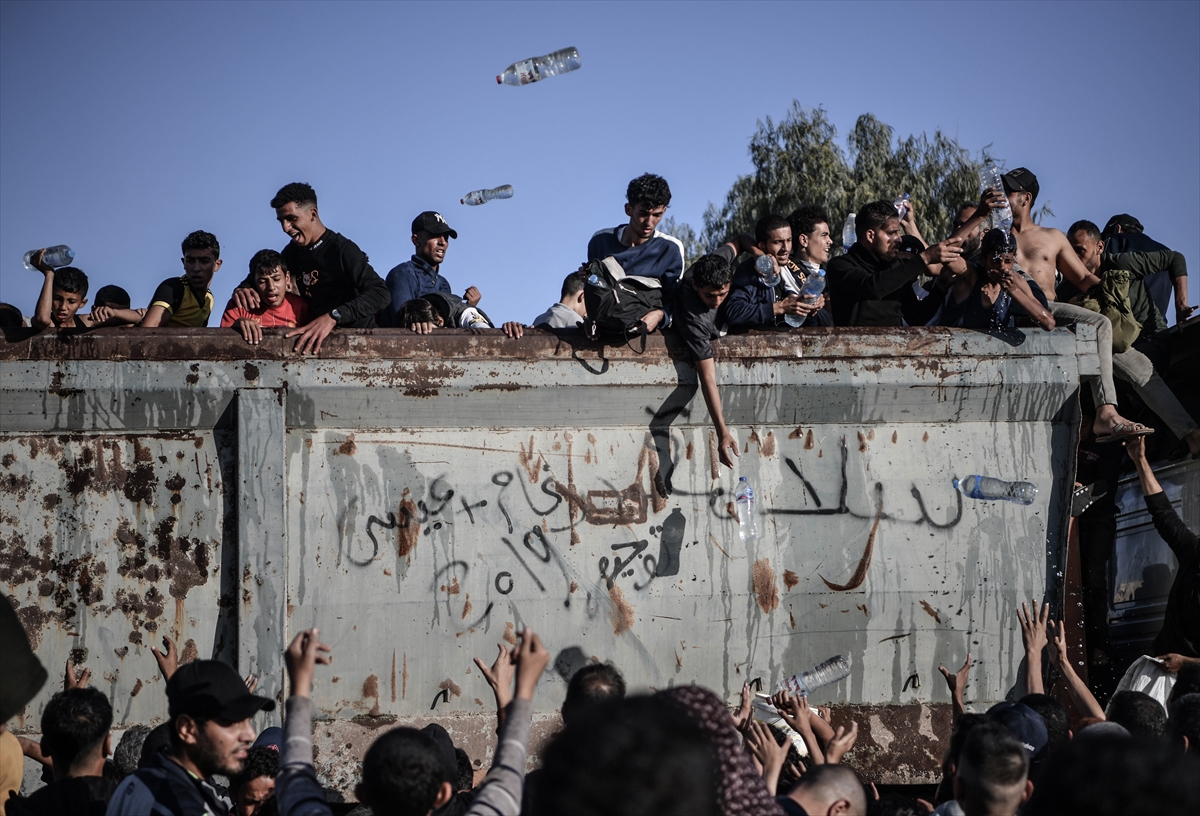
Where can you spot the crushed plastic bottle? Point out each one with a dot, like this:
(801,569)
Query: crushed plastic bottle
(477,197)
(538,68)
(989,489)
(767,270)
(831,671)
(989,179)
(848,234)
(747,525)
(901,205)
(811,290)
(55,256)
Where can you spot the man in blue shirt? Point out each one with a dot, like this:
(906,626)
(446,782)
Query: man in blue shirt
(420,275)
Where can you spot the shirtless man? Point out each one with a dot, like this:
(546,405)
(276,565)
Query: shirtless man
(1041,251)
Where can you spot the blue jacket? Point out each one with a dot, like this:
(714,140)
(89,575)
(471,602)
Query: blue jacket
(750,303)
(412,279)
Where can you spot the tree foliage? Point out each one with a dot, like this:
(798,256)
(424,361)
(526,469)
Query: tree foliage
(798,161)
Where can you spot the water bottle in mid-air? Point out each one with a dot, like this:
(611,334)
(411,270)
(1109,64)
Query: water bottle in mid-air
(848,234)
(901,205)
(767,270)
(811,290)
(535,68)
(832,670)
(747,525)
(989,179)
(55,256)
(989,489)
(477,197)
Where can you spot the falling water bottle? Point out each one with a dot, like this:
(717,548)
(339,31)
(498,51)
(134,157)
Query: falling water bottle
(901,205)
(989,179)
(812,290)
(848,234)
(477,197)
(989,489)
(747,525)
(831,671)
(767,270)
(55,256)
(535,68)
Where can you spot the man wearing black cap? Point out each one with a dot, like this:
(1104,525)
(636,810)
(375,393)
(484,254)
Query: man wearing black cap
(1124,233)
(421,274)
(209,710)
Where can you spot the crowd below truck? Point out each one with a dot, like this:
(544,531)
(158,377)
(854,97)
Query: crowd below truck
(683,750)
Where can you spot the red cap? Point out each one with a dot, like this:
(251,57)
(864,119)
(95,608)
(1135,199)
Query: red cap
(499,81)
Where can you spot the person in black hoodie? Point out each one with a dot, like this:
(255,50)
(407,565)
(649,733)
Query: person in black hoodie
(864,284)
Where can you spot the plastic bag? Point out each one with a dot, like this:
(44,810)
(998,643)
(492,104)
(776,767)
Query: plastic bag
(1148,675)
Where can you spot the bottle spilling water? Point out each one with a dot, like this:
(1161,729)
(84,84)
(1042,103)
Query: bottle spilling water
(989,489)
(747,524)
(477,197)
(55,256)
(811,290)
(989,179)
(536,68)
(848,234)
(831,671)
(768,270)
(901,205)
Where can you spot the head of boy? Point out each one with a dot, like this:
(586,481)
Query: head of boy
(210,709)
(295,208)
(1053,714)
(75,732)
(993,770)
(270,276)
(774,236)
(647,198)
(877,227)
(1085,239)
(1021,186)
(998,252)
(830,789)
(711,276)
(1183,726)
(810,234)
(1140,713)
(590,686)
(70,294)
(403,774)
(419,310)
(431,236)
(254,787)
(201,259)
(111,296)
(571,294)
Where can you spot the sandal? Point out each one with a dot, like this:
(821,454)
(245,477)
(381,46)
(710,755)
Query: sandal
(1125,430)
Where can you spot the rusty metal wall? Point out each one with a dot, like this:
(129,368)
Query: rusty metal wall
(421,499)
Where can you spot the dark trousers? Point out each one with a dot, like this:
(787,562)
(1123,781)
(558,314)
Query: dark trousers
(1097,534)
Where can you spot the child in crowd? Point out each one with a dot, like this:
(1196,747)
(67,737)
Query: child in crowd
(63,294)
(112,307)
(186,300)
(991,297)
(278,306)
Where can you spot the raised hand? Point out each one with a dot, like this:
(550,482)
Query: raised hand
(250,329)
(532,659)
(957,681)
(168,658)
(1033,626)
(841,743)
(742,717)
(500,675)
(70,681)
(302,656)
(769,754)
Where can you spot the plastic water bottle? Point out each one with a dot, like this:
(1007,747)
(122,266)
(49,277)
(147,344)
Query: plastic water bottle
(989,179)
(832,670)
(848,234)
(989,489)
(747,524)
(597,281)
(811,290)
(477,197)
(767,270)
(55,256)
(901,205)
(535,68)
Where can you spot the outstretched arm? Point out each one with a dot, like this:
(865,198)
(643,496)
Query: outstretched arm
(1033,634)
(707,370)
(957,682)
(45,301)
(500,678)
(1082,696)
(1070,266)
(296,788)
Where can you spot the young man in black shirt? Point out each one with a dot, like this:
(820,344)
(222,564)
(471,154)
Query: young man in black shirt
(330,270)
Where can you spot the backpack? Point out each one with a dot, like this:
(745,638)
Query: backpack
(1111,299)
(616,302)
(451,308)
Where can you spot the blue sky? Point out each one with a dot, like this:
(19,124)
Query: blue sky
(124,126)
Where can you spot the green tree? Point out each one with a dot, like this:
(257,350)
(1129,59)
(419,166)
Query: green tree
(798,160)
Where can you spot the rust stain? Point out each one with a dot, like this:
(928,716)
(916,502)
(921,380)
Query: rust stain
(925,437)
(895,437)
(768,445)
(678,660)
(809,441)
(573,588)
(404,678)
(929,610)
(250,371)
(714,464)
(453,588)
(591,439)
(790,579)
(822,605)
(796,434)
(871,434)
(189,653)
(510,634)
(791,618)
(533,466)
(860,573)
(371,686)
(690,451)
(450,686)
(410,529)
(467,607)
(731,509)
(862,442)
(863,607)
(348,447)
(717,544)
(393,685)
(766,588)
(137,688)
(621,613)
(50,501)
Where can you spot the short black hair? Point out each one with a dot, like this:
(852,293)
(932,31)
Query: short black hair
(466,771)
(417,310)
(1088,227)
(831,782)
(1185,720)
(991,764)
(711,272)
(649,189)
(266,260)
(872,217)
(1138,712)
(592,684)
(260,761)
(768,224)
(128,752)
(963,727)
(805,219)
(112,295)
(70,279)
(637,756)
(1187,681)
(158,738)
(11,317)
(1054,713)
(1125,221)
(202,240)
(74,724)
(572,284)
(295,193)
(402,773)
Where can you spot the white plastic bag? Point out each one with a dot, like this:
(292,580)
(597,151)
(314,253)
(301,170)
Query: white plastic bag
(1148,675)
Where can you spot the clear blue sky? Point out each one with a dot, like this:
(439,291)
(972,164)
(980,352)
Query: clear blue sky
(124,126)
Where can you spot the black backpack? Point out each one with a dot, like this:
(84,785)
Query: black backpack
(616,302)
(451,308)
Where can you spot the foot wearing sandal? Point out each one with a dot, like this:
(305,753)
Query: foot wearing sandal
(1125,430)
(1108,423)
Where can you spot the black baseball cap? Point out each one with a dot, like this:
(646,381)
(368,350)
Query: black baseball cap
(1020,180)
(445,750)
(212,690)
(997,241)
(433,223)
(1023,723)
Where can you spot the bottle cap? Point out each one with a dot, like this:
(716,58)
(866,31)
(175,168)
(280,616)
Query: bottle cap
(741,478)
(499,81)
